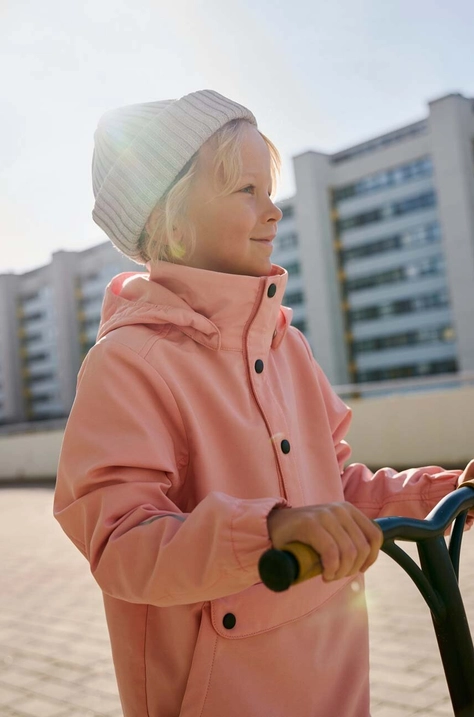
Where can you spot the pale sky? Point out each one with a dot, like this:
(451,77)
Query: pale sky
(317,75)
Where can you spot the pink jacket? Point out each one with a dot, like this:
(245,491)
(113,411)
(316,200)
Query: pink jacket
(198,411)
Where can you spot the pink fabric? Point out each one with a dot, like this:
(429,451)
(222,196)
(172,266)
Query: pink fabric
(170,464)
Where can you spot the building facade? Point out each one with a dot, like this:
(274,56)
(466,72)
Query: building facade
(379,246)
(386,237)
(48,321)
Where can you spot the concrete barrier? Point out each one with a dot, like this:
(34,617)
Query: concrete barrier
(414,429)
(401,431)
(30,456)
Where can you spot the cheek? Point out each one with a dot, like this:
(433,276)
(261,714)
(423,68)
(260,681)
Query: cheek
(242,218)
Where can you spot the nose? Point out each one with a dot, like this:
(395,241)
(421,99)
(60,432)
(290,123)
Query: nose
(274,212)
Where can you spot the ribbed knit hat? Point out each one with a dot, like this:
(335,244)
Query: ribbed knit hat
(140,150)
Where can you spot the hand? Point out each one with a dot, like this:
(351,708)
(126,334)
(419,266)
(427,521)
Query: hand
(467,476)
(346,540)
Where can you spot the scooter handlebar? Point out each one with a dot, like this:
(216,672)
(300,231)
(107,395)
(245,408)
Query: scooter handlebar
(296,562)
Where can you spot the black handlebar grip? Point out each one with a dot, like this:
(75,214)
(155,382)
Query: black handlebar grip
(278,569)
(296,562)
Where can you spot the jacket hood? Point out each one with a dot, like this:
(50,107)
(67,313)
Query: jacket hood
(210,307)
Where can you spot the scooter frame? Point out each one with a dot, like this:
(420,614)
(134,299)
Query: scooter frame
(437,579)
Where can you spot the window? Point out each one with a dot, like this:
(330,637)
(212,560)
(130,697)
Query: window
(300,325)
(37,316)
(375,247)
(42,397)
(91,277)
(422,369)
(30,297)
(293,269)
(31,338)
(287,211)
(365,314)
(94,298)
(287,240)
(420,235)
(294,297)
(32,358)
(91,322)
(430,266)
(40,378)
(422,201)
(385,277)
(397,209)
(359,220)
(407,338)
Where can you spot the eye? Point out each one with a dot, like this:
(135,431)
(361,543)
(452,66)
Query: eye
(251,189)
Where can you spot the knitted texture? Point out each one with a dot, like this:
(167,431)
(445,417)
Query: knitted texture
(140,150)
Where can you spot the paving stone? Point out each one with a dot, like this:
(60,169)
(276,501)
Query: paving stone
(94,701)
(55,655)
(37,707)
(103,683)
(8,694)
(390,711)
(50,687)
(17,678)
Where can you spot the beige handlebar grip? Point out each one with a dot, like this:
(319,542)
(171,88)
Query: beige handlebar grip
(308,560)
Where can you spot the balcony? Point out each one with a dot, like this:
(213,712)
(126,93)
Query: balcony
(356,205)
(393,324)
(387,227)
(404,355)
(42,366)
(396,291)
(44,387)
(366,266)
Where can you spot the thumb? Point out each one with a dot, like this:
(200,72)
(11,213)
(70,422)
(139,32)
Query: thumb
(467,476)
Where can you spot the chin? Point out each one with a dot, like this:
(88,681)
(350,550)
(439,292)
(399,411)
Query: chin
(254,271)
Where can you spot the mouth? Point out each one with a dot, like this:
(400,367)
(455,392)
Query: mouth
(265,240)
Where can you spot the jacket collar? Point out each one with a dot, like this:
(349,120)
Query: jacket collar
(221,311)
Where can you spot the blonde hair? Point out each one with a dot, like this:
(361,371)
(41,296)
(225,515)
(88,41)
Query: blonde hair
(170,212)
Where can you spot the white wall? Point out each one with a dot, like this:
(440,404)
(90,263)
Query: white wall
(410,430)
(29,455)
(401,431)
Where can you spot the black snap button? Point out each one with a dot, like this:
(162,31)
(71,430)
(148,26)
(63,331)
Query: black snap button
(229,621)
(271,290)
(259,365)
(285,446)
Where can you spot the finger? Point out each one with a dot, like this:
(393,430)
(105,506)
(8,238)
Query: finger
(346,537)
(362,545)
(374,536)
(347,553)
(325,544)
(467,474)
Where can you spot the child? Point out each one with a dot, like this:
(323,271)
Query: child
(203,432)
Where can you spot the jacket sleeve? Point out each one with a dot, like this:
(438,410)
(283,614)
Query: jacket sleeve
(124,451)
(413,492)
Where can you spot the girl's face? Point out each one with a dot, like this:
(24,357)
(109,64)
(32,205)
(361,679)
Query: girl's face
(234,233)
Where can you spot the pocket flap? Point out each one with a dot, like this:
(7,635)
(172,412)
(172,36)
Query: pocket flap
(258,609)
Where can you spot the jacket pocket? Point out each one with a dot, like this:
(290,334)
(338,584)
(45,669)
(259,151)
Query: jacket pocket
(258,609)
(197,685)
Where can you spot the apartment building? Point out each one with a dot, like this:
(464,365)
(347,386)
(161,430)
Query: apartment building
(386,239)
(287,253)
(378,243)
(48,321)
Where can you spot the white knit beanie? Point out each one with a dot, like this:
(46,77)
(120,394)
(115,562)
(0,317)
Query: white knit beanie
(140,150)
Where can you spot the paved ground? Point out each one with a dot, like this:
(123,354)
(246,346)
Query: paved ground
(54,653)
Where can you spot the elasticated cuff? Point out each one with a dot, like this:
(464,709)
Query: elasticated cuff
(249,531)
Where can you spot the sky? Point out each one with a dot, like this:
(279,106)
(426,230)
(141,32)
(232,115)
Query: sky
(317,75)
